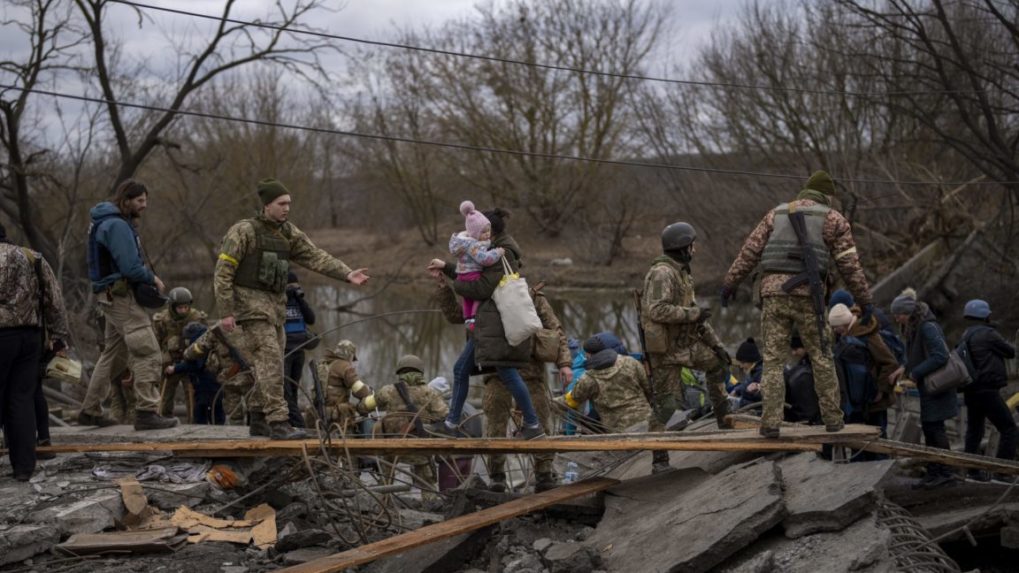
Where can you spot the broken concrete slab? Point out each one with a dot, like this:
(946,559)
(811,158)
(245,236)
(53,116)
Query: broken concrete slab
(822,496)
(305,555)
(713,516)
(445,555)
(302,539)
(571,557)
(170,496)
(20,542)
(89,515)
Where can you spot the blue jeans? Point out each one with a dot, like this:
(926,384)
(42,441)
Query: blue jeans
(509,376)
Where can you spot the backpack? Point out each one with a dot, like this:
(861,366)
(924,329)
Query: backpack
(895,344)
(853,364)
(966,354)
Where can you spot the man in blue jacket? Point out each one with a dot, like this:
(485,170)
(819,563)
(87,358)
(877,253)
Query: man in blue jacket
(117,268)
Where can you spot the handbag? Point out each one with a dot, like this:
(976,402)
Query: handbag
(546,345)
(952,376)
(516,308)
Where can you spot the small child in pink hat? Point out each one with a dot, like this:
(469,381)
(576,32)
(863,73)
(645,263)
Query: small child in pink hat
(473,251)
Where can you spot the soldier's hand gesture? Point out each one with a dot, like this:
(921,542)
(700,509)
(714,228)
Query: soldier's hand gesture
(358,277)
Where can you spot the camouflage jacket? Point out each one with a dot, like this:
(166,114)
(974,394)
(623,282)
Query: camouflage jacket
(220,360)
(618,392)
(169,330)
(838,237)
(428,402)
(19,283)
(341,380)
(669,312)
(252,304)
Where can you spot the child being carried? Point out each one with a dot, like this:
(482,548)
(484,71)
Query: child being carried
(473,251)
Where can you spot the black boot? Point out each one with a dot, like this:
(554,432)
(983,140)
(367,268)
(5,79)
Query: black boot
(86,419)
(768,432)
(145,420)
(257,425)
(545,481)
(44,455)
(497,483)
(660,462)
(284,431)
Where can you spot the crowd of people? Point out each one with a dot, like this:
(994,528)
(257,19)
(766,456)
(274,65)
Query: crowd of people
(825,358)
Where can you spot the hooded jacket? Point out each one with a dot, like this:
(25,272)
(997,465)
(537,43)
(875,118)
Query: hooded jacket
(926,352)
(118,237)
(989,352)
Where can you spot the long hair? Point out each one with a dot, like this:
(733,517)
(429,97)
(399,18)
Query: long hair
(126,191)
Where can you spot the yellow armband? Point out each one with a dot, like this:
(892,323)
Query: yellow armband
(229,259)
(568,397)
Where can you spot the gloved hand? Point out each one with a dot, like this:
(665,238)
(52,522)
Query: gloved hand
(703,315)
(722,354)
(727,294)
(868,311)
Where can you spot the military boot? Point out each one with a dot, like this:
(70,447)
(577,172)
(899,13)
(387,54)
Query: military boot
(545,481)
(284,431)
(723,419)
(768,432)
(834,427)
(660,462)
(86,419)
(497,483)
(146,420)
(257,425)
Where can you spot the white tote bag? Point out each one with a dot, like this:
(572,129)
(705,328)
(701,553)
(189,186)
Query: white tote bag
(519,319)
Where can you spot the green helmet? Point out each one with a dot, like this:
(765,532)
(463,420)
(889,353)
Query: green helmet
(345,350)
(410,362)
(678,236)
(179,295)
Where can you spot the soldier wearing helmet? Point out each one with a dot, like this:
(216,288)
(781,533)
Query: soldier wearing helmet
(338,372)
(678,335)
(169,326)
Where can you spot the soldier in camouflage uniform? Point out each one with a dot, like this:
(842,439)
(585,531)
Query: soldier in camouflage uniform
(168,324)
(678,335)
(235,380)
(342,381)
(774,246)
(32,307)
(497,401)
(399,421)
(250,284)
(617,385)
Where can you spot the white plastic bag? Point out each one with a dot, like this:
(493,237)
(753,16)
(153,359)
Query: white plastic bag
(513,299)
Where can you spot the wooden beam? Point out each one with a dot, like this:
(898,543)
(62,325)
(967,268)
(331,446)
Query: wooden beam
(938,455)
(453,527)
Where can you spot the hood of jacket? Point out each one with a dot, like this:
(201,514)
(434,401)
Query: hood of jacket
(104,210)
(602,359)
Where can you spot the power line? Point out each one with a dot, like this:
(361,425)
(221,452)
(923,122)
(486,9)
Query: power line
(544,66)
(476,148)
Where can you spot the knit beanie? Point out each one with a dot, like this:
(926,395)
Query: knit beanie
(748,352)
(841,296)
(475,221)
(270,189)
(822,182)
(840,315)
(905,303)
(595,344)
(498,218)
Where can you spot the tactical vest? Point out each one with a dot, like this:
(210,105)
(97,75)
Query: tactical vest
(782,253)
(662,338)
(853,364)
(266,268)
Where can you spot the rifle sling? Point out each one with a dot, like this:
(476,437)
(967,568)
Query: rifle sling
(401,389)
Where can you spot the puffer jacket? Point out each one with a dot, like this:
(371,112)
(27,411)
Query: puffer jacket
(490,346)
(926,352)
(989,351)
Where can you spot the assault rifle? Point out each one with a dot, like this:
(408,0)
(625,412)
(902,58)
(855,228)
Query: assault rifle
(637,295)
(235,355)
(811,274)
(320,397)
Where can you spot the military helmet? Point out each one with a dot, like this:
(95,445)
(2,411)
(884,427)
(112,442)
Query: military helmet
(193,330)
(410,362)
(678,236)
(346,350)
(179,295)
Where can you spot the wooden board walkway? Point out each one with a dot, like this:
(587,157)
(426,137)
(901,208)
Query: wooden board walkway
(450,528)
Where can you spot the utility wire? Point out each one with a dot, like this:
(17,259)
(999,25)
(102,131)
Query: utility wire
(438,51)
(482,149)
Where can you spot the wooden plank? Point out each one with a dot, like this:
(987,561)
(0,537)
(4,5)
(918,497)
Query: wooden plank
(947,457)
(453,527)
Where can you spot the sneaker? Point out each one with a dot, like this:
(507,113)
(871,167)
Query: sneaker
(86,419)
(545,481)
(532,433)
(145,420)
(768,432)
(44,455)
(284,431)
(442,429)
(497,483)
(831,428)
(257,425)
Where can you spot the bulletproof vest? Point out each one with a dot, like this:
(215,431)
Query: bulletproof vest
(295,320)
(661,338)
(266,268)
(782,253)
(853,361)
(100,262)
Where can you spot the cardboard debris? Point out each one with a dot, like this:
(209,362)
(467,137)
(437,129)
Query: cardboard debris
(163,540)
(259,526)
(264,534)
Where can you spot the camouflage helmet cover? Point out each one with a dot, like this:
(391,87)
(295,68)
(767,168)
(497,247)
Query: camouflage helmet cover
(410,362)
(346,350)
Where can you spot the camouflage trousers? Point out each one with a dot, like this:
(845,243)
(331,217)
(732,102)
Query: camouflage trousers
(234,390)
(779,316)
(340,413)
(168,395)
(670,393)
(130,344)
(422,468)
(121,398)
(265,343)
(498,406)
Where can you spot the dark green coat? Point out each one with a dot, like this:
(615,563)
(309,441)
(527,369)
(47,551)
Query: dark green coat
(490,346)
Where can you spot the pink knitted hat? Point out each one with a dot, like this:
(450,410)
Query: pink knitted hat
(476,222)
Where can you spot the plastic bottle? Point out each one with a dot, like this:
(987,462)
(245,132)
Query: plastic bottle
(571,474)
